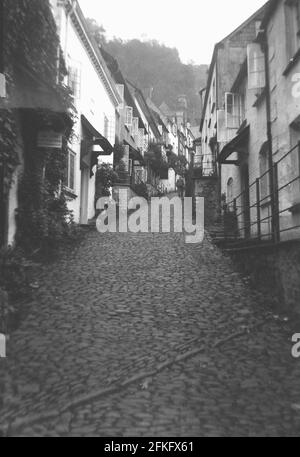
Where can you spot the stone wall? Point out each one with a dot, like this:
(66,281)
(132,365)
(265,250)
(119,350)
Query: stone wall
(208,188)
(275,270)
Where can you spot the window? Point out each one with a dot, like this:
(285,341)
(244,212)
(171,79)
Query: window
(232,110)
(256,66)
(128,116)
(112,129)
(292,14)
(135,126)
(70,171)
(106,127)
(141,138)
(130,167)
(242,107)
(74,81)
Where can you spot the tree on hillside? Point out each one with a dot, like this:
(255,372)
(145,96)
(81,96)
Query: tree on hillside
(97,31)
(151,64)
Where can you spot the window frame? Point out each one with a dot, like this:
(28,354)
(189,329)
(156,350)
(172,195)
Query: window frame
(256,66)
(106,127)
(74,79)
(292,21)
(128,109)
(135,126)
(232,119)
(67,184)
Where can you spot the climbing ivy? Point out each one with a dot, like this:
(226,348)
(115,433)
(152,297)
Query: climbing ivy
(30,38)
(31,41)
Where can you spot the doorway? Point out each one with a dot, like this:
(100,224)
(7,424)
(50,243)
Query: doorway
(84,198)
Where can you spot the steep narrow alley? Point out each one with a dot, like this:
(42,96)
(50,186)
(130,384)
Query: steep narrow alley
(144,335)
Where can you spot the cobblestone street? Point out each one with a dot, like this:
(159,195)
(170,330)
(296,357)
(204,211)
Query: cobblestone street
(144,335)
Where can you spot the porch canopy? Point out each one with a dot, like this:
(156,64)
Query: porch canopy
(89,157)
(237,144)
(97,139)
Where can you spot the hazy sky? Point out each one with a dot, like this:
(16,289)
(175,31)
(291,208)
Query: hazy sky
(192,26)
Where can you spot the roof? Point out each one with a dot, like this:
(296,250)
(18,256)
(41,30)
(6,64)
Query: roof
(118,77)
(195,131)
(270,10)
(92,49)
(159,120)
(98,138)
(166,110)
(145,108)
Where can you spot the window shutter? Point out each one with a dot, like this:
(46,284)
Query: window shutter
(256,66)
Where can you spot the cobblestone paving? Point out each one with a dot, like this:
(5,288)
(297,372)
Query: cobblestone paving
(120,305)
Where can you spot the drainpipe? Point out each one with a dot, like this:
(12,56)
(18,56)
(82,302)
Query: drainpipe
(218,166)
(265,48)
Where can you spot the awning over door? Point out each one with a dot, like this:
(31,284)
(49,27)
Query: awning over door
(96,139)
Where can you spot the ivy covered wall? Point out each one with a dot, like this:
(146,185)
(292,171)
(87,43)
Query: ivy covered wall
(29,38)
(32,53)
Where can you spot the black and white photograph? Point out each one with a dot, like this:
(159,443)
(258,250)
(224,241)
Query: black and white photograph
(149,221)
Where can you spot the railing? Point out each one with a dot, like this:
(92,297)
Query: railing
(205,165)
(268,210)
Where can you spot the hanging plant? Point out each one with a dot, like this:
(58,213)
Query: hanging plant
(105,180)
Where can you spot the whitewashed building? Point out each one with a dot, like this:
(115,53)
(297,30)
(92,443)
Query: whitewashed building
(96,100)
